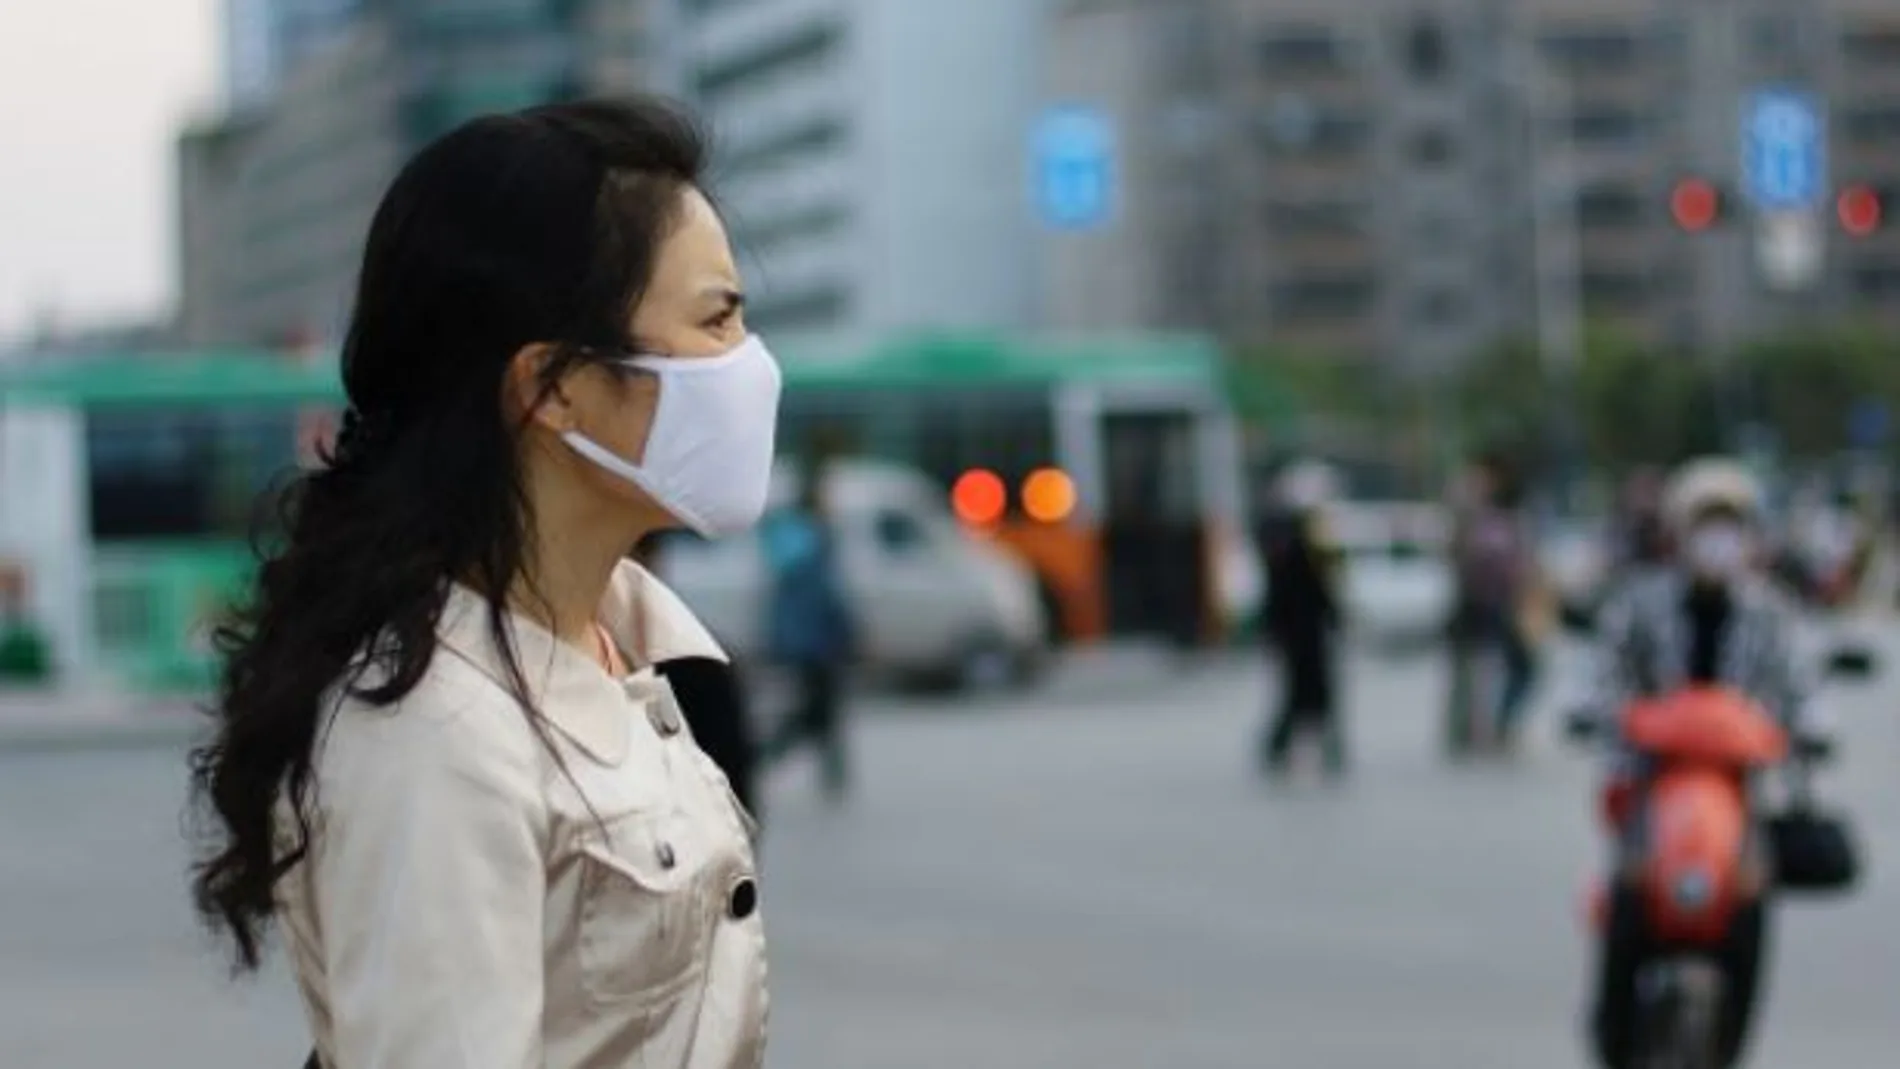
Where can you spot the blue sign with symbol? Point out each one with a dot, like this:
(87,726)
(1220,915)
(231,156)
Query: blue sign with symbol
(1784,150)
(1074,150)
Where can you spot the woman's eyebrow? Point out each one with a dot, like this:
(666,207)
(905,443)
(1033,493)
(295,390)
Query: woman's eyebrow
(730,296)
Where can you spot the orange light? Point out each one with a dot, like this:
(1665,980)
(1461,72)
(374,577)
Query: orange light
(1048,495)
(979,497)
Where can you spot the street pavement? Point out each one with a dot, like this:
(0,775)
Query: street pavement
(1092,876)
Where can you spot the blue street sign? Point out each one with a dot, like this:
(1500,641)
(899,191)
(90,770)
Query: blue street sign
(1784,150)
(1074,151)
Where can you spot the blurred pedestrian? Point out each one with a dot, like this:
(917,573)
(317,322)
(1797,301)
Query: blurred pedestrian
(811,629)
(1302,618)
(25,656)
(444,760)
(1499,603)
(1639,539)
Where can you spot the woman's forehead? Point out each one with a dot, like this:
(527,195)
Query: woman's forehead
(696,252)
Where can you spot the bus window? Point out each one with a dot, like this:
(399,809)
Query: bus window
(899,534)
(160,474)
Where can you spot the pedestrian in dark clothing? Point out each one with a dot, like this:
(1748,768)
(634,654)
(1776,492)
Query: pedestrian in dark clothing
(811,631)
(1301,622)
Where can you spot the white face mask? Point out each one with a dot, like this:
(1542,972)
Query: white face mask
(708,459)
(1718,550)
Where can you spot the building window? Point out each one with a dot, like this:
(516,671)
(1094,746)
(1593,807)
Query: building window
(1437,232)
(1871,124)
(763,236)
(1325,219)
(815,308)
(1432,148)
(1606,125)
(1615,291)
(1427,54)
(806,139)
(1319,134)
(1877,281)
(1312,50)
(708,7)
(1610,207)
(1324,299)
(1440,307)
(1872,45)
(458,24)
(1185,43)
(1604,51)
(1774,35)
(1190,125)
(809,46)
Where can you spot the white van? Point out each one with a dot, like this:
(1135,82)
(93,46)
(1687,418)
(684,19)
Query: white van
(936,603)
(1398,581)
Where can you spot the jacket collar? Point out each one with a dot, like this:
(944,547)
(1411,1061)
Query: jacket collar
(650,624)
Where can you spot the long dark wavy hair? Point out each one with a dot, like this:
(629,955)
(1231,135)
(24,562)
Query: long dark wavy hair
(537,227)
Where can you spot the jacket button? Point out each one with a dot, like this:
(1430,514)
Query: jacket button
(744,900)
(665,856)
(664,715)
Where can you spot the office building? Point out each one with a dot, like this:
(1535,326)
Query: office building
(274,201)
(265,40)
(1412,181)
(871,156)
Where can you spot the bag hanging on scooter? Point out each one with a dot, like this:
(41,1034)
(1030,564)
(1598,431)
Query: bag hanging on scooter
(1814,851)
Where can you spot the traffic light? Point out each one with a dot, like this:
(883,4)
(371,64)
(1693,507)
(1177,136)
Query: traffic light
(1862,209)
(979,497)
(1697,204)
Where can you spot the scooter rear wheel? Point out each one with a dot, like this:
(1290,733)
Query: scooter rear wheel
(1681,1016)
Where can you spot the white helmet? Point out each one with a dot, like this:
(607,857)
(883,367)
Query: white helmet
(1709,483)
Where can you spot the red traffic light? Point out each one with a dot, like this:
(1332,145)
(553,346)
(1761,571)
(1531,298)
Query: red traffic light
(1860,209)
(979,497)
(1695,204)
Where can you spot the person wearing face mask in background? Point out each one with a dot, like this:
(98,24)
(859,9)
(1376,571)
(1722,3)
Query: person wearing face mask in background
(449,768)
(1708,617)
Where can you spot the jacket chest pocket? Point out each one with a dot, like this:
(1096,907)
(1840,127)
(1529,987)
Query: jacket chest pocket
(645,921)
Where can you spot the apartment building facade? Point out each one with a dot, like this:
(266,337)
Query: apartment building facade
(1412,180)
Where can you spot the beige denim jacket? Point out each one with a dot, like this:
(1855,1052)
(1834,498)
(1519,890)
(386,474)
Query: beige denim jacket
(467,904)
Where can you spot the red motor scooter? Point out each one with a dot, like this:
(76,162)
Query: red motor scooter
(1693,866)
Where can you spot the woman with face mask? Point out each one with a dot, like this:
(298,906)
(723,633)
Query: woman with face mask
(449,769)
(1707,619)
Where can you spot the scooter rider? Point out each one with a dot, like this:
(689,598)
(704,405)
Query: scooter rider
(1707,617)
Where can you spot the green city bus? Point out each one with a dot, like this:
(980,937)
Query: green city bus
(130,484)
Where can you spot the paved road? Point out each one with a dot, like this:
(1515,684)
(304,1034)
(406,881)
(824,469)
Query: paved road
(1096,880)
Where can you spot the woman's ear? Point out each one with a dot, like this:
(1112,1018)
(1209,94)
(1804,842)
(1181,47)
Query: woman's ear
(528,395)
